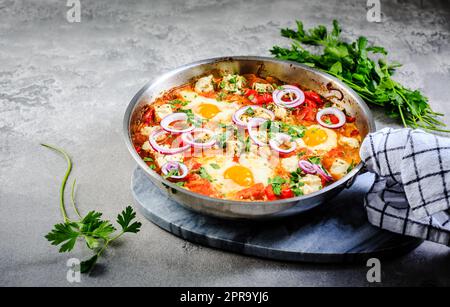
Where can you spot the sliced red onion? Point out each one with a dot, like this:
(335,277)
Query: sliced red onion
(237,115)
(162,149)
(307,167)
(331,111)
(288,89)
(252,123)
(279,139)
(189,138)
(167,120)
(173,165)
(321,171)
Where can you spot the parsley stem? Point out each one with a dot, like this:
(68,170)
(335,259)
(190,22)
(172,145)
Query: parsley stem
(100,252)
(62,205)
(72,199)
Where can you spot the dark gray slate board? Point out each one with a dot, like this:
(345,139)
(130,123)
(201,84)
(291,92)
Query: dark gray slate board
(335,232)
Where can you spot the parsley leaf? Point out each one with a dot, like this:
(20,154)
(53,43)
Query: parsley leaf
(66,233)
(125,218)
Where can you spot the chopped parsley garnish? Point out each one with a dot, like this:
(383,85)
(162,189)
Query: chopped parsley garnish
(248,144)
(178,102)
(277,183)
(295,182)
(250,111)
(214,166)
(351,166)
(148,159)
(295,131)
(204,174)
(222,140)
(191,117)
(221,96)
(314,160)
(233,79)
(174,172)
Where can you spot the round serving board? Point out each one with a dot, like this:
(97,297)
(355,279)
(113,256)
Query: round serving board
(337,231)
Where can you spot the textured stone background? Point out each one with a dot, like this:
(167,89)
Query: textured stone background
(68,84)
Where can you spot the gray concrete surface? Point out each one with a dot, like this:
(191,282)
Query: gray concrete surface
(68,84)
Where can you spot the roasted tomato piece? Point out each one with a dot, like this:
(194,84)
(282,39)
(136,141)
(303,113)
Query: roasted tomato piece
(313,96)
(287,193)
(255,192)
(350,119)
(149,116)
(306,113)
(267,98)
(269,193)
(200,185)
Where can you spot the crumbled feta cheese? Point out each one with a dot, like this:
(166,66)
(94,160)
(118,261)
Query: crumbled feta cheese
(312,183)
(146,146)
(290,164)
(233,83)
(339,168)
(351,142)
(262,87)
(204,84)
(162,111)
(280,112)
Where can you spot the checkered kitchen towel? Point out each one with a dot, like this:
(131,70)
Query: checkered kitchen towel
(411,193)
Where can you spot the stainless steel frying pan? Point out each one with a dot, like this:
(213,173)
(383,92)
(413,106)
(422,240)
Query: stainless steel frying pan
(286,71)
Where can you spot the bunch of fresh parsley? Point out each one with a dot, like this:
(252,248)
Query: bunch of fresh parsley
(353,63)
(96,233)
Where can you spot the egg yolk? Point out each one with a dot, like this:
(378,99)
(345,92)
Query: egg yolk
(240,175)
(315,136)
(208,110)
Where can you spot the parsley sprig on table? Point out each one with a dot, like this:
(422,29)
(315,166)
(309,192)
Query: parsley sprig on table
(96,233)
(371,79)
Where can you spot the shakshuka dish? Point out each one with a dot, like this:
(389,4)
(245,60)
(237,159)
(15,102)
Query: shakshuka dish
(247,137)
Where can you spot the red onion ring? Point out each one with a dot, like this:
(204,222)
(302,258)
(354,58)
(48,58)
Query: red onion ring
(307,167)
(331,111)
(255,122)
(173,165)
(322,172)
(164,150)
(310,168)
(278,94)
(189,138)
(283,138)
(167,120)
(237,115)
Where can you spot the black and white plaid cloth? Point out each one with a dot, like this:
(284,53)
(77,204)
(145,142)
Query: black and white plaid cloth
(411,192)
